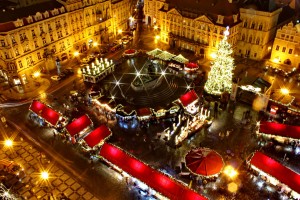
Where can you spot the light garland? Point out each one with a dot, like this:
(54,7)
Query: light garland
(220,77)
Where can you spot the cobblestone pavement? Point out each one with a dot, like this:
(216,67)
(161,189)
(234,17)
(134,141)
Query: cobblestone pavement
(34,162)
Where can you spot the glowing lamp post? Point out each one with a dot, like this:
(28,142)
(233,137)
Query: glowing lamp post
(8,143)
(44,175)
(284,91)
(230,172)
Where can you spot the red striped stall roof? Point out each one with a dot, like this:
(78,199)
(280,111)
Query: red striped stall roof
(78,125)
(188,98)
(97,135)
(160,182)
(50,115)
(37,107)
(276,170)
(283,130)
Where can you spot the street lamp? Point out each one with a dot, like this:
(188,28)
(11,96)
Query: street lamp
(36,74)
(284,91)
(44,175)
(8,143)
(230,172)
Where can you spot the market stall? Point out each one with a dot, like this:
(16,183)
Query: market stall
(169,111)
(144,114)
(37,107)
(51,116)
(160,182)
(177,62)
(165,56)
(204,162)
(106,104)
(275,173)
(79,127)
(97,70)
(280,132)
(130,53)
(154,53)
(191,67)
(188,101)
(97,137)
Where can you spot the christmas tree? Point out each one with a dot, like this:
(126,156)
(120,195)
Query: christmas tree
(220,76)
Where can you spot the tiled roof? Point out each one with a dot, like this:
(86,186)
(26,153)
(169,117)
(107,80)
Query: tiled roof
(12,15)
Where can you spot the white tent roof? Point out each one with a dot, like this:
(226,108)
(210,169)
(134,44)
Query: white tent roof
(165,55)
(154,52)
(180,59)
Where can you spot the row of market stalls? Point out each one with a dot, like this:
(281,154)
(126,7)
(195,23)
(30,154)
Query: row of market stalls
(81,130)
(78,130)
(282,133)
(177,63)
(272,171)
(160,182)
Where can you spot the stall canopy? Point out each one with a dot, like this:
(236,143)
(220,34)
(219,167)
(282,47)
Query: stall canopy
(144,112)
(165,56)
(180,59)
(191,66)
(97,136)
(154,179)
(37,107)
(78,125)
(154,52)
(282,130)
(50,116)
(188,98)
(276,170)
(126,111)
(204,162)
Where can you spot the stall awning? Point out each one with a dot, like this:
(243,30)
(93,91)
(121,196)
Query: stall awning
(282,130)
(180,59)
(154,52)
(188,98)
(144,112)
(276,170)
(37,107)
(154,179)
(126,111)
(50,115)
(165,56)
(78,125)
(98,135)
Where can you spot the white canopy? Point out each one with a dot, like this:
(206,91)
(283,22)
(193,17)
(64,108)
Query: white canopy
(180,59)
(165,55)
(154,52)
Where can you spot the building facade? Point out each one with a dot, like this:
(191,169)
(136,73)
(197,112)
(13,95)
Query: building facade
(50,32)
(286,46)
(199,25)
(193,29)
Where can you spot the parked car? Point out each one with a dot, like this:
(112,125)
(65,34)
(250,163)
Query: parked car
(10,167)
(55,78)
(68,71)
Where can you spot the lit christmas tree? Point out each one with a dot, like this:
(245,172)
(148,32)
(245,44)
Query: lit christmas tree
(220,76)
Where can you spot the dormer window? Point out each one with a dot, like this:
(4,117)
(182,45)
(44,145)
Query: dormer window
(46,14)
(29,19)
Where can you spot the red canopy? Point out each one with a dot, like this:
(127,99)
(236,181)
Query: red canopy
(278,171)
(188,98)
(37,107)
(144,112)
(191,65)
(204,161)
(154,179)
(50,115)
(280,129)
(97,135)
(77,125)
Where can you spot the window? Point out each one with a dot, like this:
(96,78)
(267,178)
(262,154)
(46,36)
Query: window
(41,29)
(36,44)
(250,39)
(290,51)
(21,37)
(6,55)
(20,63)
(283,49)
(255,54)
(33,33)
(260,27)
(240,51)
(243,37)
(39,55)
(277,48)
(253,25)
(2,43)
(257,41)
(51,37)
(17,52)
(245,25)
